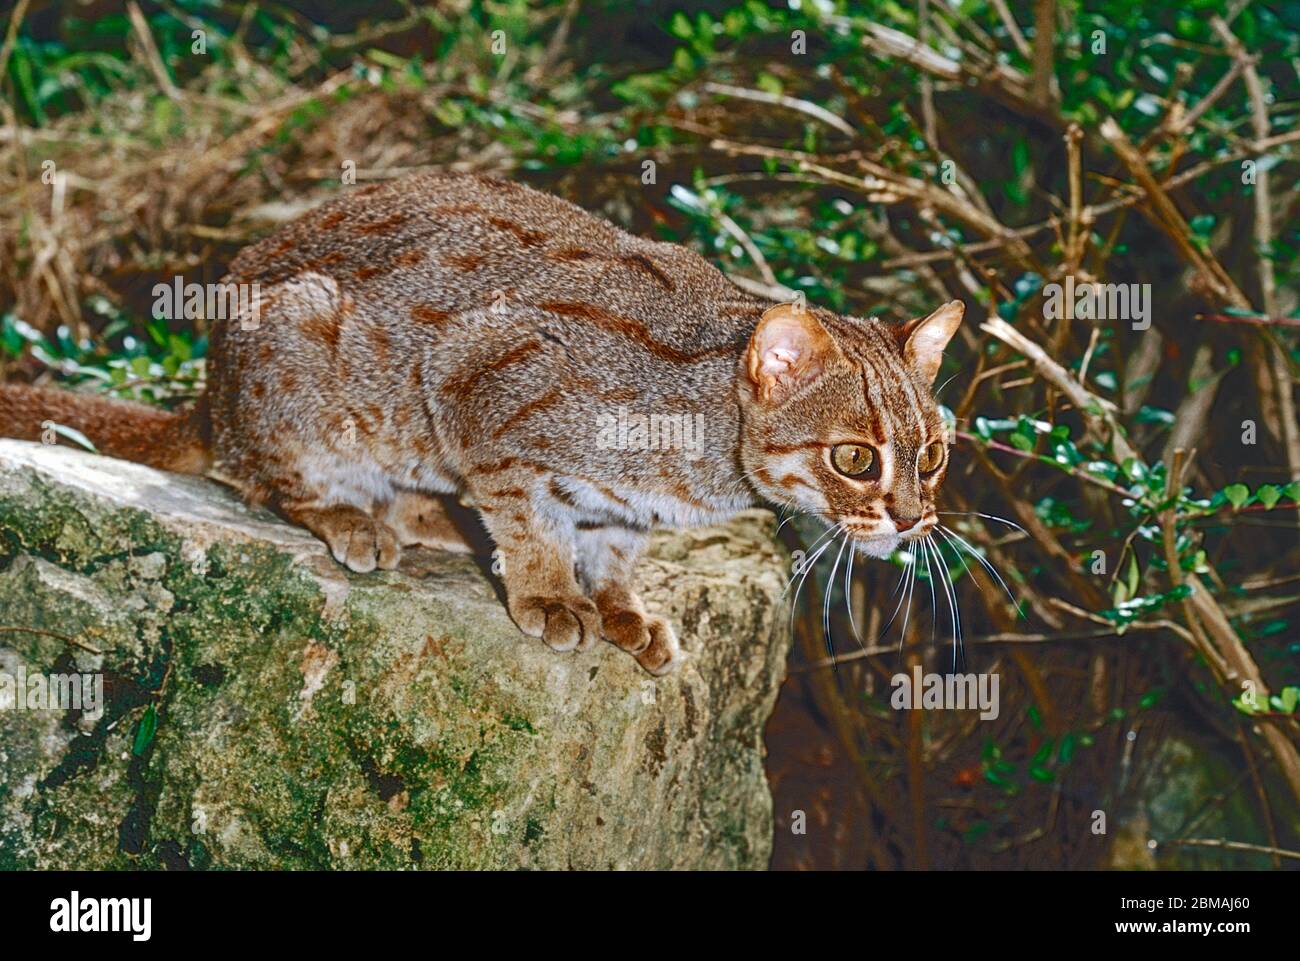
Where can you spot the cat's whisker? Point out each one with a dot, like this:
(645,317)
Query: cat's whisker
(807,569)
(907,613)
(902,578)
(787,521)
(803,512)
(943,532)
(934,605)
(960,656)
(794,604)
(848,597)
(826,601)
(805,566)
(829,532)
(988,517)
(950,592)
(928,547)
(987,566)
(785,518)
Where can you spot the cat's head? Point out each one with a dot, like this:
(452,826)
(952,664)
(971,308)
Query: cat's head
(839,420)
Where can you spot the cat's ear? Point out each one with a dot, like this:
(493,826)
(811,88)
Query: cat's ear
(789,348)
(924,338)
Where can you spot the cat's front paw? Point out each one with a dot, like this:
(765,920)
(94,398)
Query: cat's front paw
(663,655)
(648,638)
(565,623)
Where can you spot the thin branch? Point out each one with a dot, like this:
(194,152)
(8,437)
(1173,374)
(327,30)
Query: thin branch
(1251,319)
(1270,357)
(153,59)
(54,634)
(1165,215)
(1234,846)
(1098,411)
(791,103)
(1013,28)
(11,35)
(1005,637)
(1042,84)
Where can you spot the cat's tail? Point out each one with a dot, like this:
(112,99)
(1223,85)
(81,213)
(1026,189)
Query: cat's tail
(120,428)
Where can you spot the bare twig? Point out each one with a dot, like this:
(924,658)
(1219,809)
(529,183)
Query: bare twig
(153,59)
(1251,319)
(1042,82)
(781,100)
(1013,28)
(1165,215)
(11,35)
(1270,361)
(67,639)
(1099,411)
(1234,846)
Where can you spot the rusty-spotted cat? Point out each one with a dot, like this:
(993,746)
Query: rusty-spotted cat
(460,336)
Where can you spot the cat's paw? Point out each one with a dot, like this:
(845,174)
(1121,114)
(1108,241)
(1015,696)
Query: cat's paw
(663,654)
(568,623)
(366,544)
(358,541)
(648,638)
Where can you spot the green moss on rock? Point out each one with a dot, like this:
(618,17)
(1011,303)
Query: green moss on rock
(308,718)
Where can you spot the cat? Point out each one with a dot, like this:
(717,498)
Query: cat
(458,335)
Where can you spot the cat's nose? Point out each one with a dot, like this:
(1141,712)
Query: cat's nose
(904,523)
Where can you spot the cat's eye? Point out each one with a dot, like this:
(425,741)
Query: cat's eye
(931,457)
(853,460)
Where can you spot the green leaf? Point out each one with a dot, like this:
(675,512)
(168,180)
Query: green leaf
(145,731)
(72,434)
(1289,698)
(1249,708)
(1035,716)
(1119,593)
(1237,494)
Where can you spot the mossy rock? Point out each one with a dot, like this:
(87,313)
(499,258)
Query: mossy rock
(264,708)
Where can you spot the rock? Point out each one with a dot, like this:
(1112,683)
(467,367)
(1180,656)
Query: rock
(262,708)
